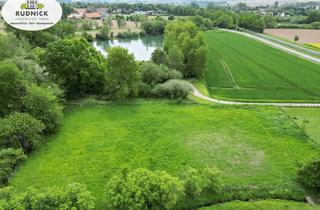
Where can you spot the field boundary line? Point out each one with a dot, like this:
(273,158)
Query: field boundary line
(277,46)
(198,94)
(227,69)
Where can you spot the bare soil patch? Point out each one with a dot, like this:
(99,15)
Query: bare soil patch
(305,35)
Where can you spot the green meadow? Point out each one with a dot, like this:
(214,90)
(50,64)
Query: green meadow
(243,69)
(257,149)
(308,119)
(263,205)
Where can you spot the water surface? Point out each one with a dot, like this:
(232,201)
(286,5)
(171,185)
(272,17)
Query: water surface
(142,48)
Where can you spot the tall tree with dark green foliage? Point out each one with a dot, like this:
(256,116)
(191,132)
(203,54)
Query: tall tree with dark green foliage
(76,66)
(12,87)
(186,48)
(20,130)
(314,16)
(123,74)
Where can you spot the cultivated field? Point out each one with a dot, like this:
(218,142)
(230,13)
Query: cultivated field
(242,69)
(257,149)
(305,35)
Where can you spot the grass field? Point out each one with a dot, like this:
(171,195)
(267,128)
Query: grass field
(242,69)
(263,205)
(307,119)
(256,148)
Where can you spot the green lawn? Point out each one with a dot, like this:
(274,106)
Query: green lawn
(307,119)
(243,69)
(263,205)
(255,148)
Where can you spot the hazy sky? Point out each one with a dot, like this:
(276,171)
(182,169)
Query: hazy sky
(264,2)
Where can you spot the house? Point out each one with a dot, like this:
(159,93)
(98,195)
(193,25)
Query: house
(92,15)
(78,13)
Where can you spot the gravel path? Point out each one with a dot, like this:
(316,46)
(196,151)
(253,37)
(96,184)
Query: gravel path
(198,94)
(278,46)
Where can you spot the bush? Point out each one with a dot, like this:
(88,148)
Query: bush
(143,189)
(198,181)
(9,161)
(128,35)
(44,106)
(154,74)
(174,89)
(309,175)
(73,196)
(159,57)
(20,130)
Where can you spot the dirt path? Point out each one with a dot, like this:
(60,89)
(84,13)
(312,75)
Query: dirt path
(278,46)
(198,94)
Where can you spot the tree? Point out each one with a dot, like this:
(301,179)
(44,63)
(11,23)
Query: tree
(143,189)
(270,21)
(20,130)
(76,66)
(314,16)
(12,87)
(309,175)
(43,105)
(159,57)
(9,161)
(252,21)
(186,48)
(176,58)
(104,32)
(122,75)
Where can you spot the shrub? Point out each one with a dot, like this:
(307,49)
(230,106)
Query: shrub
(159,57)
(309,175)
(192,183)
(9,161)
(174,89)
(154,74)
(212,180)
(8,200)
(143,189)
(44,106)
(72,196)
(20,130)
(198,181)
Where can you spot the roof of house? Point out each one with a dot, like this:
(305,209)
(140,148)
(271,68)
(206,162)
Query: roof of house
(92,15)
(80,11)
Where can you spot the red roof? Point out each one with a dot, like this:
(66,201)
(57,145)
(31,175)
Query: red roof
(92,15)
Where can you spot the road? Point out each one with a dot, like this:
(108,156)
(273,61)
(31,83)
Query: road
(278,46)
(198,94)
